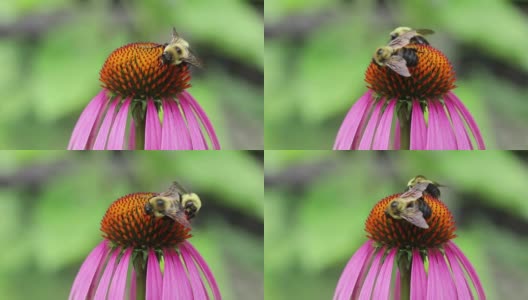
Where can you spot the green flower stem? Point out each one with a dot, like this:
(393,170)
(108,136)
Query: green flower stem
(404,116)
(405,277)
(141,276)
(140,136)
(140,118)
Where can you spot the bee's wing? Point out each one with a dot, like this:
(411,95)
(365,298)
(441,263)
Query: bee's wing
(415,192)
(194,60)
(424,31)
(174,191)
(178,215)
(398,65)
(402,40)
(414,216)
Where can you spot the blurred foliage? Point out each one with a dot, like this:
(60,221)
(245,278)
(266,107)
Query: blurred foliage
(51,53)
(317,203)
(317,52)
(54,202)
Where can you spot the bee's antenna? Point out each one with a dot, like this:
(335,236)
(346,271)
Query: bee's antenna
(175,35)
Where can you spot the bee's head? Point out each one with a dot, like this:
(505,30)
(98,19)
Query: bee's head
(399,31)
(191,203)
(418,179)
(166,57)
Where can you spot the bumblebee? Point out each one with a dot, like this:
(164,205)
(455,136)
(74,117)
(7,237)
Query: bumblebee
(176,203)
(433,188)
(397,60)
(418,37)
(395,55)
(177,51)
(410,206)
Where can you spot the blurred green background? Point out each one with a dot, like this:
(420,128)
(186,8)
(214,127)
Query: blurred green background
(317,203)
(317,52)
(51,53)
(53,202)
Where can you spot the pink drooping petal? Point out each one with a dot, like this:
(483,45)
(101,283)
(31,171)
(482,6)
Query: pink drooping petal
(117,288)
(350,276)
(362,275)
(434,286)
(462,287)
(462,138)
(154,279)
(350,125)
(104,283)
(102,135)
(132,135)
(197,137)
(383,282)
(203,118)
(87,122)
(468,118)
(418,137)
(168,135)
(397,286)
(383,132)
(440,283)
(445,275)
(152,127)
(170,286)
(368,284)
(98,121)
(468,267)
(87,272)
(363,124)
(433,128)
(116,140)
(184,290)
(182,133)
(205,269)
(446,130)
(397,135)
(198,288)
(368,134)
(418,277)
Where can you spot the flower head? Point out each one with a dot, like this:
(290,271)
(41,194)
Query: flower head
(143,104)
(426,259)
(153,249)
(428,115)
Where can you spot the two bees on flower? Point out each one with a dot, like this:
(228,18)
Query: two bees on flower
(411,206)
(396,56)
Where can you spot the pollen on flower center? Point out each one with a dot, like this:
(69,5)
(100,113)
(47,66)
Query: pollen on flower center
(433,76)
(127,224)
(400,233)
(135,70)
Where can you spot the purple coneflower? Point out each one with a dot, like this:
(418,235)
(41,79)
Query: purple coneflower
(144,256)
(144,105)
(428,115)
(428,265)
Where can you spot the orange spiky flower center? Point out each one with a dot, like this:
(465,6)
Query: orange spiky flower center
(400,233)
(128,225)
(433,76)
(135,70)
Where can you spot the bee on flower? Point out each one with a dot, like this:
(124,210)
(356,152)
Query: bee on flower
(410,81)
(145,234)
(411,233)
(144,103)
